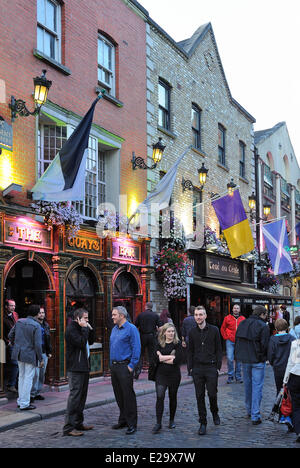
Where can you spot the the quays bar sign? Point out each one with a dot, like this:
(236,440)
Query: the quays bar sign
(126,250)
(223,268)
(27,233)
(85,243)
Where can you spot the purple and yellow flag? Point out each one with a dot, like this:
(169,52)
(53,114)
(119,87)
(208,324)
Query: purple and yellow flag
(234,224)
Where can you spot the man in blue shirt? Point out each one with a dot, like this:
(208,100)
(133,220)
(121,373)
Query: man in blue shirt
(125,350)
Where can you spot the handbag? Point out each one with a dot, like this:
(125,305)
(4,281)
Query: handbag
(152,370)
(286,403)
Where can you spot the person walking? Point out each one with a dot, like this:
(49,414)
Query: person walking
(278,355)
(205,359)
(228,331)
(188,323)
(167,358)
(125,350)
(26,338)
(148,324)
(251,348)
(10,318)
(295,331)
(40,372)
(79,335)
(292,380)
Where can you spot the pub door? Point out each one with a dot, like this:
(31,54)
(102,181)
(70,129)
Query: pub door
(80,292)
(125,293)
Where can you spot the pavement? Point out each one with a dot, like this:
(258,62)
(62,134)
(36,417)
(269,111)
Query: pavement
(100,393)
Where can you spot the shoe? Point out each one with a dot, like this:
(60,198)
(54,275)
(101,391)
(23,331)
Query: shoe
(239,381)
(85,428)
(28,408)
(172,425)
(74,433)
(39,397)
(119,426)
(130,430)
(12,389)
(216,420)
(289,424)
(156,429)
(282,420)
(229,381)
(202,429)
(257,422)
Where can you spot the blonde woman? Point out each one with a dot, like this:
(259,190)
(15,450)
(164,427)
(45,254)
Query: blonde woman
(167,355)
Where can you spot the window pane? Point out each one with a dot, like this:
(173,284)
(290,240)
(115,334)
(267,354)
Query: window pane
(162,96)
(41,11)
(195,119)
(51,15)
(40,39)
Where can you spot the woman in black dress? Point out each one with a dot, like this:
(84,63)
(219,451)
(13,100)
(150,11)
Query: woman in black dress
(167,356)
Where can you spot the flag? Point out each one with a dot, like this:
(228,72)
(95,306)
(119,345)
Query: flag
(297,229)
(276,239)
(234,224)
(64,179)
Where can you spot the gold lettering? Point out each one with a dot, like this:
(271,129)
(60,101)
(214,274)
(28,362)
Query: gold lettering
(10,231)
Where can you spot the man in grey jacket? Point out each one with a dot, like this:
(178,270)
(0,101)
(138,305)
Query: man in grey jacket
(26,337)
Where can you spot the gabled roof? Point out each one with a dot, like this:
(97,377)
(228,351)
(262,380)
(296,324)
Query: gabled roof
(262,135)
(190,45)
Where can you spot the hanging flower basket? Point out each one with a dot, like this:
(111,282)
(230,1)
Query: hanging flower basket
(59,214)
(170,269)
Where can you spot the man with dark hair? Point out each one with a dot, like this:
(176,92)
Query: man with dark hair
(26,338)
(188,323)
(148,323)
(79,335)
(205,360)
(251,348)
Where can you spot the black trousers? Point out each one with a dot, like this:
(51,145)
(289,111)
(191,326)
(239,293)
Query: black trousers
(294,388)
(78,384)
(122,382)
(148,341)
(206,377)
(160,399)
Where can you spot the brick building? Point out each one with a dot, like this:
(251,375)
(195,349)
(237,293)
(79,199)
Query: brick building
(84,49)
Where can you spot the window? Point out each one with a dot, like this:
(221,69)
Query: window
(197,199)
(164,92)
(49,28)
(50,140)
(94,181)
(106,64)
(242,160)
(196,126)
(221,144)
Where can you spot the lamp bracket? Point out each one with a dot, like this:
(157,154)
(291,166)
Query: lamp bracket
(18,106)
(138,162)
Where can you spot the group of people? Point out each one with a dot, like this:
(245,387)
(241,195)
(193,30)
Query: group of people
(28,348)
(248,347)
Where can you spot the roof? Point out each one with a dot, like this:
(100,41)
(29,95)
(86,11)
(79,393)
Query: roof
(262,135)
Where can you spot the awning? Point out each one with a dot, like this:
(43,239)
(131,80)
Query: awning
(241,291)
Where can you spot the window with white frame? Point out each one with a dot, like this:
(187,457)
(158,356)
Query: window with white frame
(106,64)
(51,138)
(49,28)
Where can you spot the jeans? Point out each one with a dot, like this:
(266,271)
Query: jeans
(230,362)
(26,375)
(254,375)
(39,378)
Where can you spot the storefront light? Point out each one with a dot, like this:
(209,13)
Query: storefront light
(6,169)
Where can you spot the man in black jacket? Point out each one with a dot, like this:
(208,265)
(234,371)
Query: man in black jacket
(79,335)
(148,324)
(205,359)
(251,348)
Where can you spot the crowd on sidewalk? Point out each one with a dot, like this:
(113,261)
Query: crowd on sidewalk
(250,343)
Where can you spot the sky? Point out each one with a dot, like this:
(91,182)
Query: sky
(258,42)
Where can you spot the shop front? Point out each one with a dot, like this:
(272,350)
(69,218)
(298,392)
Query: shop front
(38,265)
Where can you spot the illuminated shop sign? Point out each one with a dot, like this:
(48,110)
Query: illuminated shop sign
(28,233)
(6,135)
(223,268)
(124,250)
(85,243)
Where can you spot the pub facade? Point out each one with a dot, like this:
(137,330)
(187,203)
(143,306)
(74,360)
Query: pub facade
(44,266)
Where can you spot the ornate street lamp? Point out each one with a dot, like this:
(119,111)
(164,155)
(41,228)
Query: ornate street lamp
(202,173)
(157,153)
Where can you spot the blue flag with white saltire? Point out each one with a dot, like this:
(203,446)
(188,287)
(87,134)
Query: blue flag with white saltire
(64,179)
(276,239)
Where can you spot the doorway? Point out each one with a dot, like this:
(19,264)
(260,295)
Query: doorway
(80,293)
(125,291)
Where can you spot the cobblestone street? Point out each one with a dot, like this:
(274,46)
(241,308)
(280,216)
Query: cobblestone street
(235,431)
